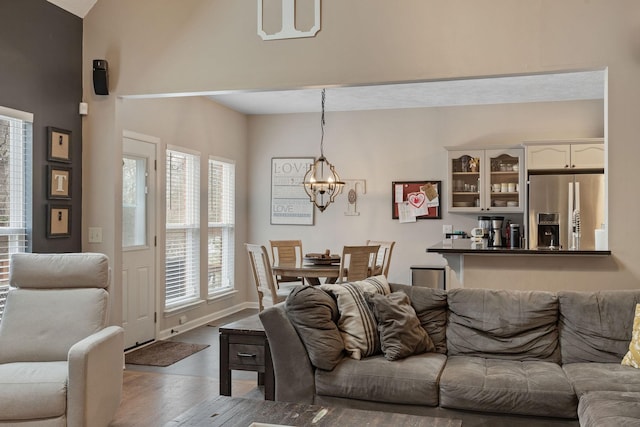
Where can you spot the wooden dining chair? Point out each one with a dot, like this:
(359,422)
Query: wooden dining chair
(383,259)
(356,262)
(287,252)
(263,276)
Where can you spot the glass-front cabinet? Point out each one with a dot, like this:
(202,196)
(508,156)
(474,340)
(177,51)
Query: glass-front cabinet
(486,180)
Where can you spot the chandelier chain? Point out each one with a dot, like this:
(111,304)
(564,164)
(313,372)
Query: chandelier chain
(322,127)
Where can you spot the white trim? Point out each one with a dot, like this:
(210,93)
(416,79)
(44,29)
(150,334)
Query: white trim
(183,150)
(140,137)
(16,114)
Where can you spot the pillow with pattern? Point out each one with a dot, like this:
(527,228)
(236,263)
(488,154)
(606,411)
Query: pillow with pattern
(632,358)
(357,324)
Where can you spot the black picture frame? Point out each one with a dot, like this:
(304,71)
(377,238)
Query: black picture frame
(409,188)
(58,145)
(58,221)
(58,183)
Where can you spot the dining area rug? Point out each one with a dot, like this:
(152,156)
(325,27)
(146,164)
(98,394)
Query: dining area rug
(163,353)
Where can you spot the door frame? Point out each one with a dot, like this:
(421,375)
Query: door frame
(155,141)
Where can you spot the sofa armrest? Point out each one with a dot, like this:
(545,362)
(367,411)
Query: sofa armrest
(95,378)
(293,371)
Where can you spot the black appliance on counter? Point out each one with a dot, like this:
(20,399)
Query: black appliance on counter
(548,227)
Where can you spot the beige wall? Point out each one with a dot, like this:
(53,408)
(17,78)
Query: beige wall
(399,145)
(203,45)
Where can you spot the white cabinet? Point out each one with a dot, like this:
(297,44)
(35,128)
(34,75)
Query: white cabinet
(575,155)
(486,180)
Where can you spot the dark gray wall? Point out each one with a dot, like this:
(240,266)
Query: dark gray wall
(41,73)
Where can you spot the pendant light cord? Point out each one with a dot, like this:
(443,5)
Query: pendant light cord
(322,127)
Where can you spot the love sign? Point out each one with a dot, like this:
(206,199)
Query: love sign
(416,199)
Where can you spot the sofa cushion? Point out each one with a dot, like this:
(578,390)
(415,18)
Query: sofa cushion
(400,332)
(42,325)
(22,384)
(357,323)
(431,308)
(314,314)
(592,376)
(513,325)
(596,326)
(609,409)
(632,358)
(507,386)
(410,381)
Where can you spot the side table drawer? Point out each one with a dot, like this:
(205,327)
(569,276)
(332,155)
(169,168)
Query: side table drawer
(246,355)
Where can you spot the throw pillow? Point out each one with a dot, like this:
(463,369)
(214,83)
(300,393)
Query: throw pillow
(632,358)
(314,313)
(400,332)
(357,323)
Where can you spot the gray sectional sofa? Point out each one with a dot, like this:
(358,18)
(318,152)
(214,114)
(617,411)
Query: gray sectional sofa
(501,357)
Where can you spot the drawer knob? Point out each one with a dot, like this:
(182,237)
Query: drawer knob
(246,355)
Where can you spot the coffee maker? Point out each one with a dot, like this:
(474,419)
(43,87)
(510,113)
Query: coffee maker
(495,233)
(548,230)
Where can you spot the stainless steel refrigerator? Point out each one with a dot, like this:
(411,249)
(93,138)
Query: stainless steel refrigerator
(578,198)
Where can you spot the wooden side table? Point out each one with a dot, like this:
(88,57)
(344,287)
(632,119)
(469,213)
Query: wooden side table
(244,347)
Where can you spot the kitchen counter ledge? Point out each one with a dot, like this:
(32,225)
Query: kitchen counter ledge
(455,252)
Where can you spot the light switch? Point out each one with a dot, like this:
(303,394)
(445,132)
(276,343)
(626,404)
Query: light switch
(95,234)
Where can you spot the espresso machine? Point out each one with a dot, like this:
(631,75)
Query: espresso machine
(548,230)
(495,232)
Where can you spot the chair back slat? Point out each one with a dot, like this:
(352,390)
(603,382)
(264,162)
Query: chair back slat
(356,262)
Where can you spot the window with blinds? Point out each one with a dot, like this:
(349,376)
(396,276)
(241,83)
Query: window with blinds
(182,259)
(15,154)
(221,225)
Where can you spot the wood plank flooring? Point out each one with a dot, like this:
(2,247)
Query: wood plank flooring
(152,396)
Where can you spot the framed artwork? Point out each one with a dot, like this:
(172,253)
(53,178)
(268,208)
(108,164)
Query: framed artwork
(58,221)
(413,200)
(290,204)
(59,145)
(58,182)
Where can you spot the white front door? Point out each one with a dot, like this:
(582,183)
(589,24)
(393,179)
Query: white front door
(138,238)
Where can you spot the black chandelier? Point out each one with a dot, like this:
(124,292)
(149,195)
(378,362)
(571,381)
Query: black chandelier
(321,182)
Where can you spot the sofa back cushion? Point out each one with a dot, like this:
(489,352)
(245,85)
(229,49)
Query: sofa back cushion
(503,324)
(314,313)
(431,308)
(596,326)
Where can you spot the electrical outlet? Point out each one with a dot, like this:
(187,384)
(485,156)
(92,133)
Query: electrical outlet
(447,229)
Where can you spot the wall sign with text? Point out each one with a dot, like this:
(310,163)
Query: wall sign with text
(290,204)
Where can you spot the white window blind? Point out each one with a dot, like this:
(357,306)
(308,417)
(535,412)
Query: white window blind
(182,259)
(221,225)
(15,149)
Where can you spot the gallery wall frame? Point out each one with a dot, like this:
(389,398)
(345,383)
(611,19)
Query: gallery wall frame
(420,199)
(290,204)
(58,182)
(58,221)
(58,145)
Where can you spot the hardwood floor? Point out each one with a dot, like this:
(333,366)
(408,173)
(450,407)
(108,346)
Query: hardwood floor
(152,396)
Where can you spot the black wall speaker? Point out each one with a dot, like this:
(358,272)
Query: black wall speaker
(101,77)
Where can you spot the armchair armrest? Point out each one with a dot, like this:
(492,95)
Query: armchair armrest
(294,374)
(95,378)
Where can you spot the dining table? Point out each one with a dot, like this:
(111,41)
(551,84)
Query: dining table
(311,271)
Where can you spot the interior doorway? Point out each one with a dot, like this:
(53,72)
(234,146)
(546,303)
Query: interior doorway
(139,261)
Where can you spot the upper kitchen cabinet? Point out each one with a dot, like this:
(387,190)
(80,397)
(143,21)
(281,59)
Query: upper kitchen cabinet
(489,180)
(573,154)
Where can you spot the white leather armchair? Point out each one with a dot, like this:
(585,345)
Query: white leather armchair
(60,364)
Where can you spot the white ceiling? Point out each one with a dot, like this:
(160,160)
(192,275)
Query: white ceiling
(77,7)
(568,86)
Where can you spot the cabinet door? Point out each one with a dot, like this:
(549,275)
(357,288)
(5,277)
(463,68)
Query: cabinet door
(587,156)
(548,156)
(465,171)
(503,176)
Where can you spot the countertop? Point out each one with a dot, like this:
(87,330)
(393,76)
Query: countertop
(465,247)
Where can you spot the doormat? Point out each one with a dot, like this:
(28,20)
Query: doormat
(163,353)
